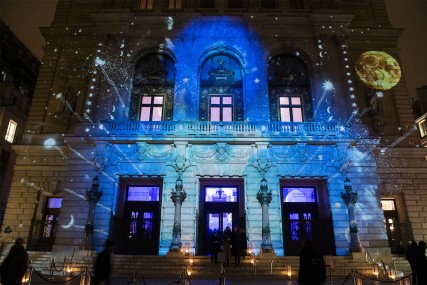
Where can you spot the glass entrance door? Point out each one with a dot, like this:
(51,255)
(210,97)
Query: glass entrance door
(300,215)
(138,230)
(220,210)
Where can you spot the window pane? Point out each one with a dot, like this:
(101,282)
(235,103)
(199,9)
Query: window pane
(214,114)
(146,100)
(145,114)
(220,194)
(11,129)
(227,100)
(158,100)
(297,114)
(296,100)
(284,101)
(143,193)
(299,195)
(227,114)
(54,203)
(215,100)
(284,115)
(388,205)
(157,114)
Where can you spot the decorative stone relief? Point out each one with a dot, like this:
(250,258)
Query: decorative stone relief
(145,150)
(180,163)
(221,152)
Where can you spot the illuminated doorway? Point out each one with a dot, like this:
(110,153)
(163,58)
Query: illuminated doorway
(306,215)
(221,206)
(391,221)
(137,222)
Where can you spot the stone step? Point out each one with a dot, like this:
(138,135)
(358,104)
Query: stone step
(127,265)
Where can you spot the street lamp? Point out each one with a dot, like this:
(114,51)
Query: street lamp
(350,198)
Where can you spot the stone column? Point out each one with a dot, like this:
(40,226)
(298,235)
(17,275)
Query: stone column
(92,196)
(264,197)
(178,197)
(350,199)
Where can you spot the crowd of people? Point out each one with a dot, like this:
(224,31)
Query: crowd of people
(230,244)
(415,254)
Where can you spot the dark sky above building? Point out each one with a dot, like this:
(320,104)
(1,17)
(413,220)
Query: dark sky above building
(25,17)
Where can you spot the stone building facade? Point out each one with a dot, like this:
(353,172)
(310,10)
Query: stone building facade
(18,76)
(254,107)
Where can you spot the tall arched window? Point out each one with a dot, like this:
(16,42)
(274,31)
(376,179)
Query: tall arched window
(289,89)
(221,89)
(152,90)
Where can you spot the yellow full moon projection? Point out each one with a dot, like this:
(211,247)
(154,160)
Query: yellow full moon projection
(378,70)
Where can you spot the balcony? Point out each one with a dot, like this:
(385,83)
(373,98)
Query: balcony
(224,129)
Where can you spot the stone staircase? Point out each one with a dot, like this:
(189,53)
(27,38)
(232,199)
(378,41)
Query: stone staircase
(202,267)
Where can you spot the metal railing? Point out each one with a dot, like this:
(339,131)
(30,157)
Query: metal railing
(288,129)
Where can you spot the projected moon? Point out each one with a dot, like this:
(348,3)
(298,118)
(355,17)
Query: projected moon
(378,70)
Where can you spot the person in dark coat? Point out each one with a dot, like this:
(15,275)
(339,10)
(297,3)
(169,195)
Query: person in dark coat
(15,264)
(411,252)
(102,268)
(312,269)
(244,242)
(421,263)
(214,247)
(236,246)
(226,243)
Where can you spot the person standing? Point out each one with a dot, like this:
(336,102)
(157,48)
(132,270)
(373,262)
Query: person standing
(226,243)
(102,268)
(411,253)
(312,269)
(236,246)
(421,263)
(214,247)
(15,264)
(244,242)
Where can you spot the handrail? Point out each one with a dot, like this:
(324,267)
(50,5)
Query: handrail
(222,128)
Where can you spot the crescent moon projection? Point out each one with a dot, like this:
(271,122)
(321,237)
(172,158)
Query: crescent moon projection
(378,70)
(70,224)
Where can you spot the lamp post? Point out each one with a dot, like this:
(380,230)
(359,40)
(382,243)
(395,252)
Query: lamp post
(178,197)
(350,199)
(92,196)
(264,197)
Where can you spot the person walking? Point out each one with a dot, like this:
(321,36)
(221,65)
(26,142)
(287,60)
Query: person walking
(102,268)
(312,266)
(226,244)
(15,264)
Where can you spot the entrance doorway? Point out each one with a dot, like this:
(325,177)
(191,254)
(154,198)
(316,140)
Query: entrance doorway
(306,215)
(221,206)
(137,223)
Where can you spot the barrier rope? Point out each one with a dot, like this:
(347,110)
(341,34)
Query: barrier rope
(59,282)
(353,273)
(186,277)
(137,277)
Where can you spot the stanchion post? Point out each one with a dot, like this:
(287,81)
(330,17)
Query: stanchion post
(26,280)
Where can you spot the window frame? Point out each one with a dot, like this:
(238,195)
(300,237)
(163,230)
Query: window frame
(11,131)
(291,107)
(221,106)
(152,107)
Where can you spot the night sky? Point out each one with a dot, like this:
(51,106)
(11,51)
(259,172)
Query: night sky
(25,16)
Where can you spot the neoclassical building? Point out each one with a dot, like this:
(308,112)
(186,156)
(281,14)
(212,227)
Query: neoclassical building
(157,123)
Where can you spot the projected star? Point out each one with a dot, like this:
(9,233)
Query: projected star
(328,86)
